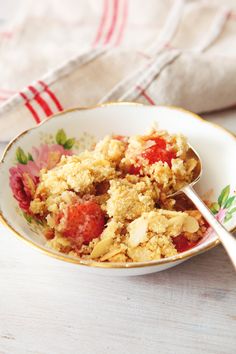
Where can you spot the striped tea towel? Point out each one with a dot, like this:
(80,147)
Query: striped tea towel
(171,52)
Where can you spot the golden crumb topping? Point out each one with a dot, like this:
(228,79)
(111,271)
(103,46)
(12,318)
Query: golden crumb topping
(111,204)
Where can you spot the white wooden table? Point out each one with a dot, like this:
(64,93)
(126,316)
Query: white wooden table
(51,307)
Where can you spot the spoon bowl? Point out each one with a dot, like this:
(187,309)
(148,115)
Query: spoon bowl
(197,172)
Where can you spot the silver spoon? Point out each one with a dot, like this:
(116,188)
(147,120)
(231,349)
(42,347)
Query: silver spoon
(226,238)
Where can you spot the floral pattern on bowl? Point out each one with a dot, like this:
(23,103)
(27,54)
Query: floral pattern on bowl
(24,177)
(225,207)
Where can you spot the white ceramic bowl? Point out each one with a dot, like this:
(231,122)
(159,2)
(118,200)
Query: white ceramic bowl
(216,146)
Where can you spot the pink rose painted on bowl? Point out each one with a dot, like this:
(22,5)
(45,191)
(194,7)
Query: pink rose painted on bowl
(24,177)
(23,182)
(47,156)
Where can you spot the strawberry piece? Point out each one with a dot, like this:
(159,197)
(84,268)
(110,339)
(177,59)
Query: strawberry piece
(154,153)
(83,222)
(134,170)
(159,141)
(182,243)
(158,152)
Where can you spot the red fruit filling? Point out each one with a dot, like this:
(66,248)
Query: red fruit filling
(154,154)
(83,222)
(182,243)
(132,170)
(158,152)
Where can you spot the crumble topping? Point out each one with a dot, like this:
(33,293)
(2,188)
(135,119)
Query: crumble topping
(111,204)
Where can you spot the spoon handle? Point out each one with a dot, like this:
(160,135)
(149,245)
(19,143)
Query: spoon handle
(226,238)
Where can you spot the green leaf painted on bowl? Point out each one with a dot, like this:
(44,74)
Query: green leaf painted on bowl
(30,157)
(228,216)
(229,202)
(233,210)
(69,144)
(224,196)
(27,217)
(215,208)
(225,203)
(21,156)
(61,137)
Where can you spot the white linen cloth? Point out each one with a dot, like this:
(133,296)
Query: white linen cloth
(56,55)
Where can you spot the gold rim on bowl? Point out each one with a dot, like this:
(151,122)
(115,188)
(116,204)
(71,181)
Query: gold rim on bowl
(179,257)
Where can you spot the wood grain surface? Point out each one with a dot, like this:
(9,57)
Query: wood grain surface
(51,307)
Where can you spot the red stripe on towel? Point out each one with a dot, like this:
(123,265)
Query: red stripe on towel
(30,108)
(102,23)
(52,95)
(41,101)
(113,22)
(123,22)
(145,95)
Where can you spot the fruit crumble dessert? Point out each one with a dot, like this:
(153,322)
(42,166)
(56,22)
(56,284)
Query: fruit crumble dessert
(111,204)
